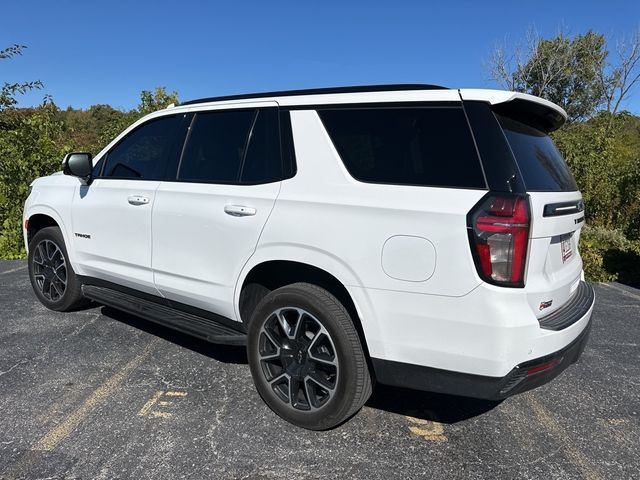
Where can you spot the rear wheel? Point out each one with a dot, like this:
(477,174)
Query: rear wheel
(52,278)
(306,358)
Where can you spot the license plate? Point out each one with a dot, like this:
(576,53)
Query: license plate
(566,249)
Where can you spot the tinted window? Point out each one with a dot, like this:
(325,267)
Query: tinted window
(143,154)
(286,142)
(215,146)
(262,162)
(97,168)
(542,166)
(411,146)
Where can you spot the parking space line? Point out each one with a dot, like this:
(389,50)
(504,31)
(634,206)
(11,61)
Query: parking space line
(427,429)
(150,403)
(556,430)
(14,270)
(621,290)
(156,399)
(60,432)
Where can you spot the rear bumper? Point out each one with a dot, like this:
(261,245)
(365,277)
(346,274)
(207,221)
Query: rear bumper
(524,376)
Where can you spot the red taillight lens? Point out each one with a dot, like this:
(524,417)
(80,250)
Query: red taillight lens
(499,234)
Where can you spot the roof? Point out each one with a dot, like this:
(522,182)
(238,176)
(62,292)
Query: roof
(544,113)
(320,91)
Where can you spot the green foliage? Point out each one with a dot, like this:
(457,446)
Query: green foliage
(33,148)
(9,91)
(608,255)
(604,156)
(156,100)
(567,71)
(33,142)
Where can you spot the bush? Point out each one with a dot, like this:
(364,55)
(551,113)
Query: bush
(32,145)
(608,256)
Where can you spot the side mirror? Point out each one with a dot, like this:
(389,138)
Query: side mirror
(78,165)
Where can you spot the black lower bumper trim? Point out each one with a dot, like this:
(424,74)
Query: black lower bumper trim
(572,311)
(523,377)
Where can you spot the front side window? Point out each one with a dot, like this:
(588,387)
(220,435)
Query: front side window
(143,154)
(424,146)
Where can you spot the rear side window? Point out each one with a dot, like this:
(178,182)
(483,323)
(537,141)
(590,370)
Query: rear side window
(541,164)
(262,162)
(215,146)
(425,146)
(143,154)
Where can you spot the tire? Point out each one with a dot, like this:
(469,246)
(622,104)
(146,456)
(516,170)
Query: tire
(301,338)
(52,277)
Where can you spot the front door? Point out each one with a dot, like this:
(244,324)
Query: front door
(112,216)
(207,223)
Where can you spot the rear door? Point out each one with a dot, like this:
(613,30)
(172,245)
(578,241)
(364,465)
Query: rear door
(207,221)
(557,215)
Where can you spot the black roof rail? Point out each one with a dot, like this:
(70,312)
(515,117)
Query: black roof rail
(318,91)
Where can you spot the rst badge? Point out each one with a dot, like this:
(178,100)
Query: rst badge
(546,304)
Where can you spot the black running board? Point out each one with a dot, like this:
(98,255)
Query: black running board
(205,328)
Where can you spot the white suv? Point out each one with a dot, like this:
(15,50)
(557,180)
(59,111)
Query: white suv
(416,235)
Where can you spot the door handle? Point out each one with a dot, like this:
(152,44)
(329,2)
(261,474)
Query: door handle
(138,200)
(239,210)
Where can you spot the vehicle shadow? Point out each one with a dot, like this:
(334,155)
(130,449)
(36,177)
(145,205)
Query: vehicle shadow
(436,407)
(424,405)
(222,353)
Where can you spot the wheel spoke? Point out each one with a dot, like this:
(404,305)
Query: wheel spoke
(328,358)
(287,328)
(40,252)
(278,379)
(47,248)
(294,391)
(46,288)
(317,379)
(275,341)
(270,356)
(58,290)
(311,396)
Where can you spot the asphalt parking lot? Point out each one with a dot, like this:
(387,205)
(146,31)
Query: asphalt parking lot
(101,394)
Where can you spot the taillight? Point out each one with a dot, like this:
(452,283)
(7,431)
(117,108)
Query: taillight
(499,234)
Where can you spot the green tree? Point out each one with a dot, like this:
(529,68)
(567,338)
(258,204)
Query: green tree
(150,101)
(567,71)
(32,148)
(9,91)
(156,100)
(576,72)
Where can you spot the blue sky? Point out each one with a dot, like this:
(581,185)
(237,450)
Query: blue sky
(107,52)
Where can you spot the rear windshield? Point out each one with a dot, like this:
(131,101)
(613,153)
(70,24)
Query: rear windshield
(543,168)
(424,146)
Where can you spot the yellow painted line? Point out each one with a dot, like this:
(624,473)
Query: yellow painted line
(165,403)
(173,393)
(149,405)
(555,429)
(160,414)
(14,270)
(57,434)
(427,429)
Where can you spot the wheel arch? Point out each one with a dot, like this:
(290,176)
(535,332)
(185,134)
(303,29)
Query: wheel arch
(324,271)
(44,216)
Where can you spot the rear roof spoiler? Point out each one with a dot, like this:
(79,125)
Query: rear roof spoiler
(523,107)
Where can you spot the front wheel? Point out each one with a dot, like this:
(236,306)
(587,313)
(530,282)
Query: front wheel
(52,278)
(306,358)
